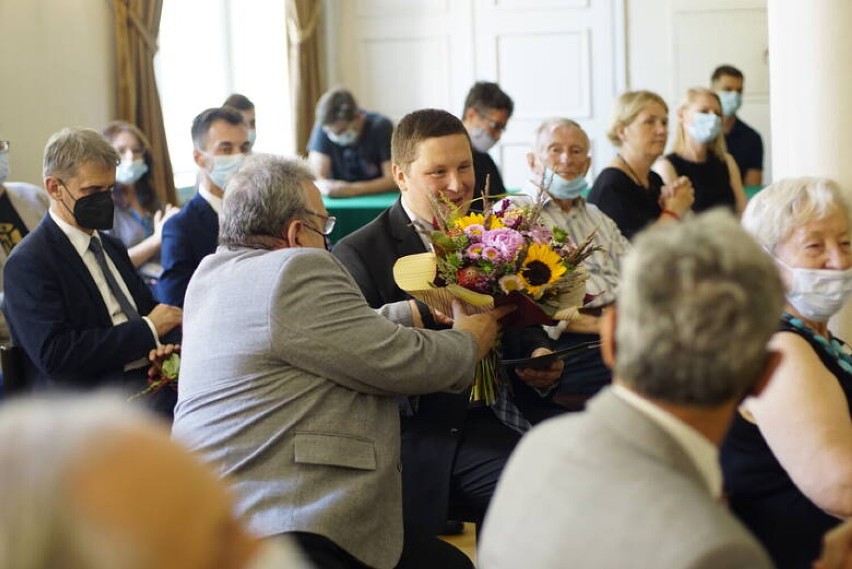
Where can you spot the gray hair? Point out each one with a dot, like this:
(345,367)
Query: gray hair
(697,304)
(41,442)
(776,211)
(552,123)
(71,148)
(265,194)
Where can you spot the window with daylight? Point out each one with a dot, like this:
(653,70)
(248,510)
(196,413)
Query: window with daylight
(212,48)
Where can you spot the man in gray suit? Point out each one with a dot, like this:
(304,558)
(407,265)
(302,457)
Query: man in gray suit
(635,480)
(289,379)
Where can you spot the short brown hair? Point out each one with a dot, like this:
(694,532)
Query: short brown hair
(485,96)
(239,102)
(202,123)
(71,148)
(336,105)
(722,70)
(416,127)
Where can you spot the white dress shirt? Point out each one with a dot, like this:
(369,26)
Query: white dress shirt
(214,201)
(704,454)
(80,241)
(422,226)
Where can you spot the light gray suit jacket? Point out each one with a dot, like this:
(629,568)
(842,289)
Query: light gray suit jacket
(288,384)
(609,488)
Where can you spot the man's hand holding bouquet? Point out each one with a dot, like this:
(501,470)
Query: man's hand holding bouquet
(504,255)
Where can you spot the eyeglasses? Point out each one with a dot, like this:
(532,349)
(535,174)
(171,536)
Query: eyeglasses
(328,223)
(497,126)
(4,146)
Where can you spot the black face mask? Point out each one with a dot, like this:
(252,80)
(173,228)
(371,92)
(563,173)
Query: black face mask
(95,211)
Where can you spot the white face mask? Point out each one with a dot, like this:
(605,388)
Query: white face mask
(705,127)
(818,294)
(345,138)
(276,553)
(4,167)
(224,168)
(129,171)
(481,140)
(731,102)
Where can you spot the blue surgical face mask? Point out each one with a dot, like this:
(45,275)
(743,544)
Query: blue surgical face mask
(252,136)
(129,171)
(731,102)
(224,168)
(563,189)
(481,140)
(345,138)
(705,127)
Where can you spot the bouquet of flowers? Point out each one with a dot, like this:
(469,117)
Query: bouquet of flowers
(503,255)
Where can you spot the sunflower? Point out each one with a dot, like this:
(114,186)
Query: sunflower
(541,267)
(495,223)
(469,219)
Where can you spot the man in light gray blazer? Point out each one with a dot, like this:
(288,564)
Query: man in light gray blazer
(635,481)
(289,379)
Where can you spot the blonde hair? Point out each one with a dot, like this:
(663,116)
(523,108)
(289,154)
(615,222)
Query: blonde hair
(627,106)
(717,145)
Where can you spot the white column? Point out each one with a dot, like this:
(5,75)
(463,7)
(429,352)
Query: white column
(810,76)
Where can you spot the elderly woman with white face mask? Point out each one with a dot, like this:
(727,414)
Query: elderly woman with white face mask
(787,459)
(699,153)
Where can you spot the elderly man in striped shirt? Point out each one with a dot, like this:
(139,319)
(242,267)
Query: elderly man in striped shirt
(559,161)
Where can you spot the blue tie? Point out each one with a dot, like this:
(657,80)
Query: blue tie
(98,249)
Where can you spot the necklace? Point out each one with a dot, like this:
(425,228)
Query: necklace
(631,171)
(832,346)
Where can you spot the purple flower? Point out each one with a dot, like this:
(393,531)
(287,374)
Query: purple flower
(541,234)
(507,241)
(474,251)
(474,232)
(490,254)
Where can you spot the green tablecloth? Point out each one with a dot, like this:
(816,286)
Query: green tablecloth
(751,190)
(353,213)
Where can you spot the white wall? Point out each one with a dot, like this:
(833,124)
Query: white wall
(553,57)
(56,70)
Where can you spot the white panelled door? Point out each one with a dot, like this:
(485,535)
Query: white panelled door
(553,57)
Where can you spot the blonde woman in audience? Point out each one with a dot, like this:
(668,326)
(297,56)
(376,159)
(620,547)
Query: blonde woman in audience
(627,190)
(139,217)
(699,154)
(788,457)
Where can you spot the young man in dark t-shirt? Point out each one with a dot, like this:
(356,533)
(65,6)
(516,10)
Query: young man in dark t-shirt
(743,142)
(349,148)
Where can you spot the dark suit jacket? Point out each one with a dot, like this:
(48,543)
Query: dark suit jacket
(430,437)
(57,315)
(189,236)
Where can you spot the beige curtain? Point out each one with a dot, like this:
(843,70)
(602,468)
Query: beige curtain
(137,25)
(303,18)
